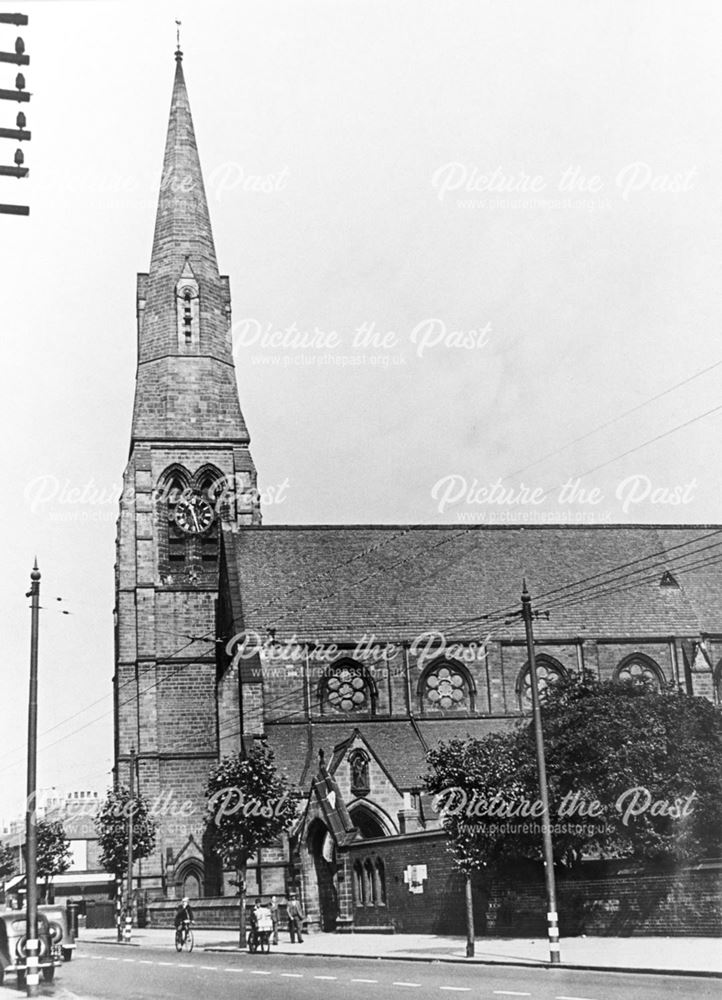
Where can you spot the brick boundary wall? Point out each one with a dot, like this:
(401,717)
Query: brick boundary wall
(683,903)
(211,913)
(688,903)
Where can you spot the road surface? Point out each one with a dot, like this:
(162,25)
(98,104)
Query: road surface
(112,972)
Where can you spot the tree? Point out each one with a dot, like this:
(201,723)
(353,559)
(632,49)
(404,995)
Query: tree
(112,826)
(8,864)
(630,773)
(249,807)
(652,762)
(53,851)
(461,770)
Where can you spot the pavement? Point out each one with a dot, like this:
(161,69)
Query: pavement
(681,955)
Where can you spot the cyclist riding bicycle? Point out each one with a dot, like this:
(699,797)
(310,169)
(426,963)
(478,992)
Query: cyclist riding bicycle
(184,915)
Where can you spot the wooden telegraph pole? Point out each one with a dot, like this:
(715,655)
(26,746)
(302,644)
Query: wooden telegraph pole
(552,915)
(20,94)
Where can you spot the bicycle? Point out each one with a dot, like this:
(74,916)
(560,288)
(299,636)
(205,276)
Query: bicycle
(184,937)
(258,940)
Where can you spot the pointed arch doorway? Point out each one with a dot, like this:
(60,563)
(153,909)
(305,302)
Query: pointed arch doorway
(319,842)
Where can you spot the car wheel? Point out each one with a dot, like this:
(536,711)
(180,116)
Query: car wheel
(49,973)
(67,954)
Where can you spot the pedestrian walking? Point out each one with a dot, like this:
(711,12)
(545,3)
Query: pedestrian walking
(295,918)
(274,918)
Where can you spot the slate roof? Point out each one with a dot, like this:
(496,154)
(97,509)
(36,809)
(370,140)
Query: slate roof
(396,744)
(338,583)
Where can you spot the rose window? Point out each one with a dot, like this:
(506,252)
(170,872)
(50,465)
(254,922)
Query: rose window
(346,691)
(547,675)
(445,688)
(639,672)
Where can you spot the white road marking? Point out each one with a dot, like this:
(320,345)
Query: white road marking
(208,968)
(166,963)
(364,980)
(407,984)
(145,961)
(457,989)
(233,970)
(292,975)
(574,998)
(128,959)
(259,972)
(511,993)
(111,958)
(325,977)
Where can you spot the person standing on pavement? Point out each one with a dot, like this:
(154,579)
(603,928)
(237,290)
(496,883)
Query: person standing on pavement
(274,918)
(295,918)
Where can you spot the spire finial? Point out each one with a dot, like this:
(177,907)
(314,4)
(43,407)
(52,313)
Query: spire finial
(178,53)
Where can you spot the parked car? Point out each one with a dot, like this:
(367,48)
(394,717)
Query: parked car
(13,949)
(59,928)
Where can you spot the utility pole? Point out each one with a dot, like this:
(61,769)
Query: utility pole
(32,979)
(20,58)
(552,915)
(131,810)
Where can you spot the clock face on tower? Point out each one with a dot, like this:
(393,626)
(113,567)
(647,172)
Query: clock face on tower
(193,514)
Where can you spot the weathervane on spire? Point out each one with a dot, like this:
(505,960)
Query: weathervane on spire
(178,53)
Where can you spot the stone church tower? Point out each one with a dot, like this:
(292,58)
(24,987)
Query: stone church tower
(189,474)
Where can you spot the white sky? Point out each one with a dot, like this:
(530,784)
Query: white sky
(352,113)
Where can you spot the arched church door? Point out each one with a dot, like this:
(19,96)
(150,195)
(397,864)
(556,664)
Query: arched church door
(192,886)
(325,870)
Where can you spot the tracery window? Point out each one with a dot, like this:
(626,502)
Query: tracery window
(639,670)
(445,687)
(346,687)
(548,672)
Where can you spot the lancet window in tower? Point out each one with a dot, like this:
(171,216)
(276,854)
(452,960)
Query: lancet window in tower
(209,483)
(171,493)
(188,310)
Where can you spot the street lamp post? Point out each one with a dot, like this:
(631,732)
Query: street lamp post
(552,915)
(32,979)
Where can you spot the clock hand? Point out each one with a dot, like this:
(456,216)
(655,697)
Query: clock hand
(195,518)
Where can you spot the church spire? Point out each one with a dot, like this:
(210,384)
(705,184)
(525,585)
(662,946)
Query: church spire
(182,224)
(186,386)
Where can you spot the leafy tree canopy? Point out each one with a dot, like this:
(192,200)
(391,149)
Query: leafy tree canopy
(7,862)
(53,855)
(630,773)
(112,826)
(249,806)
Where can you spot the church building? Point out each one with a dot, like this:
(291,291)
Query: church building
(351,650)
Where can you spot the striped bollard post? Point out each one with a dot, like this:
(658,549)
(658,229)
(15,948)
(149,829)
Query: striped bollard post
(553,931)
(32,972)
